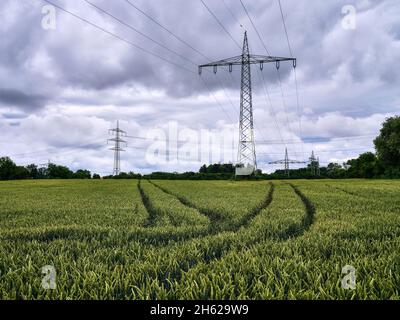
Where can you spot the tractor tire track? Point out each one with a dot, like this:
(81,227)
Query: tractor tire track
(217,218)
(153,237)
(245,221)
(296,230)
(213,215)
(154,213)
(151,211)
(345,191)
(218,250)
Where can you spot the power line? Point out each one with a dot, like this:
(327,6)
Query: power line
(323,151)
(284,26)
(271,142)
(254,27)
(259,142)
(268,98)
(129,42)
(232,14)
(327,139)
(278,72)
(167,30)
(284,104)
(118,37)
(269,154)
(290,141)
(221,25)
(139,32)
(287,162)
(154,41)
(215,98)
(189,46)
(295,72)
(263,78)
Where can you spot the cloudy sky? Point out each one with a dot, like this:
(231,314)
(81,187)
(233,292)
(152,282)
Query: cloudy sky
(66,78)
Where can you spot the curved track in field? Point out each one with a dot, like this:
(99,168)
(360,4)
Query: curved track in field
(354,194)
(213,215)
(217,218)
(210,244)
(298,229)
(152,212)
(154,236)
(219,248)
(148,234)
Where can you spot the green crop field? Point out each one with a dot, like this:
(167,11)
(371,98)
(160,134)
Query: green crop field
(129,239)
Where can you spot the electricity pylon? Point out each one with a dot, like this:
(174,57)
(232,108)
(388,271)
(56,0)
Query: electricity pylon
(287,162)
(314,165)
(118,133)
(246,160)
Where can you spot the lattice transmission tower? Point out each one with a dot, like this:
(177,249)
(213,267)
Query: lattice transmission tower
(314,165)
(246,159)
(117,133)
(287,163)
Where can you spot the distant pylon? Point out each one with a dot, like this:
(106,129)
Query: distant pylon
(118,133)
(314,165)
(287,162)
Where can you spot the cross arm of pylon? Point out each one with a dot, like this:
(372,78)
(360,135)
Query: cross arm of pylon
(287,161)
(252,59)
(122,132)
(277,162)
(117,140)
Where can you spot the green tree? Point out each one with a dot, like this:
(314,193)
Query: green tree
(58,172)
(82,174)
(387,144)
(10,171)
(33,171)
(365,166)
(218,168)
(335,170)
(7,169)
(21,173)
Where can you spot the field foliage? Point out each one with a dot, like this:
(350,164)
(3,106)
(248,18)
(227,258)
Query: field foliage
(159,239)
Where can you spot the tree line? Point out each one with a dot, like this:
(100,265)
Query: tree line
(10,171)
(384,163)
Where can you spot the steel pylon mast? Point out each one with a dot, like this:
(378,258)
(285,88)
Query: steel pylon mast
(246,159)
(118,133)
(314,165)
(287,163)
(247,148)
